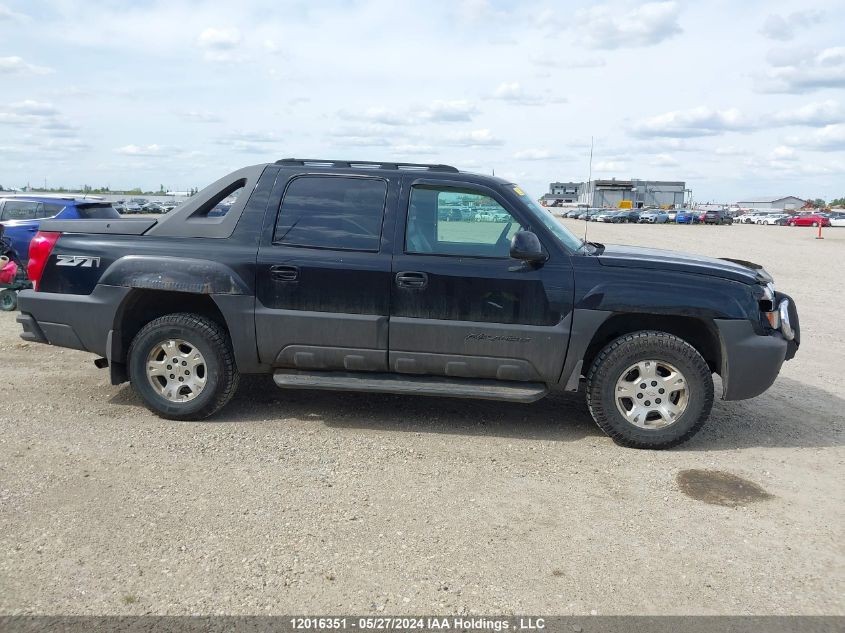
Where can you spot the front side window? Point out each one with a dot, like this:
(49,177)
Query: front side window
(463,223)
(332,212)
(20,210)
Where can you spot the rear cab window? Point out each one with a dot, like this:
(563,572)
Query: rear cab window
(103,211)
(332,212)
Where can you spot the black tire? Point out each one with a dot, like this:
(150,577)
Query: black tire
(626,351)
(8,300)
(211,340)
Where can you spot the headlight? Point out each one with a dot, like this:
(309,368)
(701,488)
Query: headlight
(785,325)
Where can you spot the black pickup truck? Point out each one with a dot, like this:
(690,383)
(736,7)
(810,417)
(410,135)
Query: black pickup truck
(402,278)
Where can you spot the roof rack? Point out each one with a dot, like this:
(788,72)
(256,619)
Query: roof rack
(364,164)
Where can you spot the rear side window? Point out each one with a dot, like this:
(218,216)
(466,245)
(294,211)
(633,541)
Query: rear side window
(50,209)
(332,212)
(97,212)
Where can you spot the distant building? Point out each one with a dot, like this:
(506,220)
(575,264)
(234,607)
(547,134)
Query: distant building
(787,203)
(667,194)
(562,192)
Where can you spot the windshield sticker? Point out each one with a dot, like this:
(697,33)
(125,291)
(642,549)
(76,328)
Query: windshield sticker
(518,191)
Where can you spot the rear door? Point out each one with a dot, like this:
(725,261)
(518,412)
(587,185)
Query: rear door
(323,273)
(461,306)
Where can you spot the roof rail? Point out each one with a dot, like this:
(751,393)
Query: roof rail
(365,164)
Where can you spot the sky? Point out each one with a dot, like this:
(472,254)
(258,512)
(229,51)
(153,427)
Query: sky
(738,99)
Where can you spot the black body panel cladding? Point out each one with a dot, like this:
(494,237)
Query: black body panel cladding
(182,274)
(31,330)
(88,317)
(239,313)
(188,221)
(543,348)
(585,323)
(750,362)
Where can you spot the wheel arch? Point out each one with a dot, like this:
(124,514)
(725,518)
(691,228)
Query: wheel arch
(142,305)
(701,333)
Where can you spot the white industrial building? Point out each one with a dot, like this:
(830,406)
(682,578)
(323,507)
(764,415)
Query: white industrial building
(666,194)
(787,203)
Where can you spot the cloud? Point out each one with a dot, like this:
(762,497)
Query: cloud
(513,92)
(814,114)
(700,121)
(17,66)
(142,150)
(647,25)
(220,45)
(378,115)
(830,137)
(6,14)
(664,160)
(796,71)
(410,149)
(437,112)
(250,142)
(610,165)
(39,115)
(362,135)
(535,154)
(449,111)
(201,116)
(778,27)
(474,138)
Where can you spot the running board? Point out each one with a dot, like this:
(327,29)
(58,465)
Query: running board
(413,385)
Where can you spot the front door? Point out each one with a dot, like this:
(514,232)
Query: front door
(323,274)
(460,306)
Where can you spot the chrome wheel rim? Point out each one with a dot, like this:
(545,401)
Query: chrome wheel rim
(652,394)
(176,370)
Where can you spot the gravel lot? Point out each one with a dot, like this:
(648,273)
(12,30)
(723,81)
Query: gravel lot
(292,502)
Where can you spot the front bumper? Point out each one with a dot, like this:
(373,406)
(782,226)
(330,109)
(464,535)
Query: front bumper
(750,361)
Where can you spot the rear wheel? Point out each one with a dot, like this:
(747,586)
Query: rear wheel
(182,366)
(649,390)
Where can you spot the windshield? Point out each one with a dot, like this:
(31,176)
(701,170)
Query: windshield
(549,221)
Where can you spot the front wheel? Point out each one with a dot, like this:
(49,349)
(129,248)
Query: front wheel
(182,366)
(649,389)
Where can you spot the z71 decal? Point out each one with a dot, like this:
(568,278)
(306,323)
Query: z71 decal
(80,261)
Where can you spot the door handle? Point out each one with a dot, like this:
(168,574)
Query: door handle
(284,273)
(412,280)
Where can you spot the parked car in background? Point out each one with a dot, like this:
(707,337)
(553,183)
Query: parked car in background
(152,207)
(687,217)
(131,207)
(605,216)
(627,216)
(837,219)
(21,215)
(808,219)
(719,216)
(654,216)
(672,214)
(119,205)
(774,218)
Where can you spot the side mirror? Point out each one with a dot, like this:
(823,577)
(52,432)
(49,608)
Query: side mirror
(526,247)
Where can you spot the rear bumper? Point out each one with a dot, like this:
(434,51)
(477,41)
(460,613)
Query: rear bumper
(76,321)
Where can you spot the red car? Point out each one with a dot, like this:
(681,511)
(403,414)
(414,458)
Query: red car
(810,219)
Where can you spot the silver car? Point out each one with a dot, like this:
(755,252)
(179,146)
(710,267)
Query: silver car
(654,217)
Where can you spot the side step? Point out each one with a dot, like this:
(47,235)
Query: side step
(412,385)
